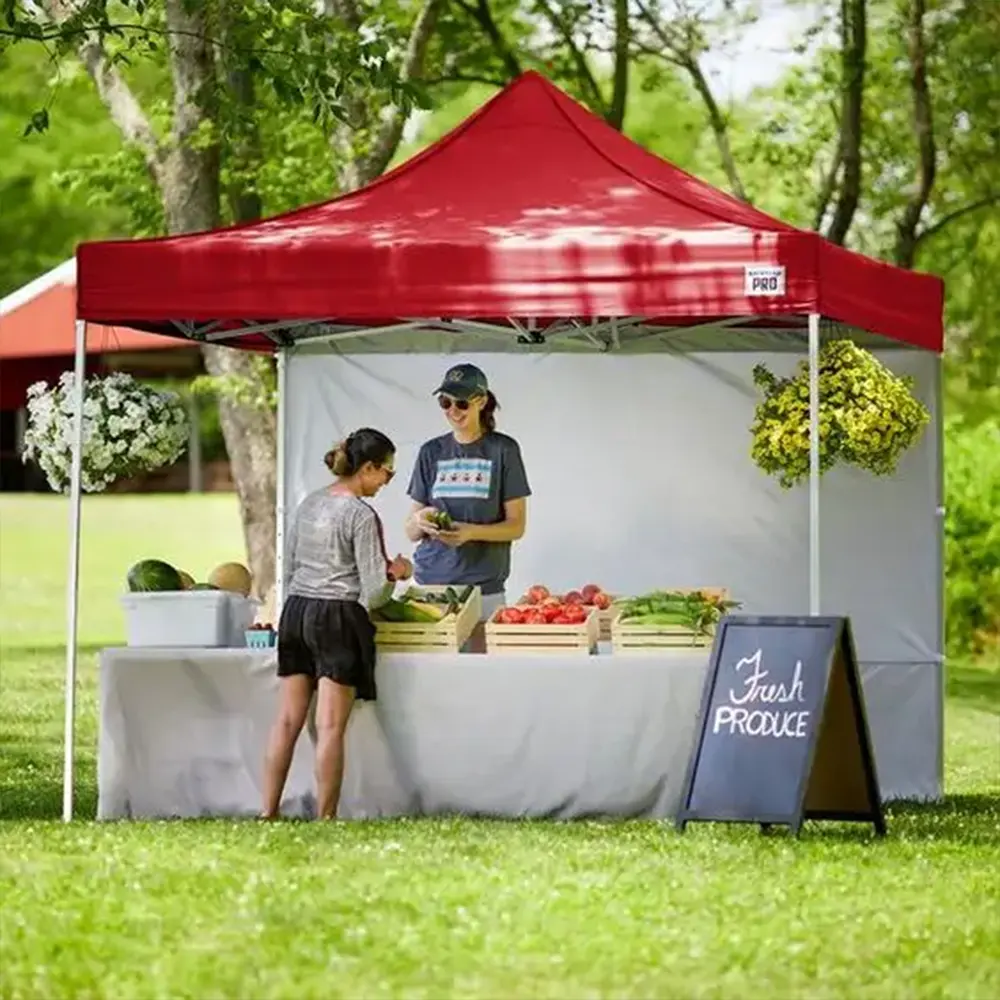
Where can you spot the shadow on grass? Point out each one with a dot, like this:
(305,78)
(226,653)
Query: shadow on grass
(962,819)
(31,781)
(55,648)
(976,685)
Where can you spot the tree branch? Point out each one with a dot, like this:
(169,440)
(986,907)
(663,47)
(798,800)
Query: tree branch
(583,71)
(923,127)
(684,57)
(828,186)
(720,127)
(114,92)
(490,81)
(358,169)
(946,220)
(853,33)
(391,130)
(481,13)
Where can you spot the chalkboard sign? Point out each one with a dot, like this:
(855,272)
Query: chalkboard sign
(782,735)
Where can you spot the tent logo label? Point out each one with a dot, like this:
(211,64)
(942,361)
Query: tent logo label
(759,281)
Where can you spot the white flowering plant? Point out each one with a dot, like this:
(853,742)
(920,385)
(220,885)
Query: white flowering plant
(128,428)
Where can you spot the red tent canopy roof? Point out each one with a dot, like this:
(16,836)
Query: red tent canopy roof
(532,207)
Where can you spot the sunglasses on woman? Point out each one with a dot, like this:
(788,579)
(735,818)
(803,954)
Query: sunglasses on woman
(446,403)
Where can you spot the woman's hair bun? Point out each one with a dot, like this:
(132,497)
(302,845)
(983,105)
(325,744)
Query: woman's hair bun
(364,445)
(338,459)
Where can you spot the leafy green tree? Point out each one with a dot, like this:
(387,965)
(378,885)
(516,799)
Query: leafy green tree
(40,223)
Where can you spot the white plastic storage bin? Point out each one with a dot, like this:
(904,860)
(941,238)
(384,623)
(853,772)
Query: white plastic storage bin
(190,618)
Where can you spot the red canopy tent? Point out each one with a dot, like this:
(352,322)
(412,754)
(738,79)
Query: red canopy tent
(533,220)
(533,207)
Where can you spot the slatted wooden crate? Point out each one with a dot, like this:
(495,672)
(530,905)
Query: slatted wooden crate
(629,637)
(605,617)
(509,639)
(446,636)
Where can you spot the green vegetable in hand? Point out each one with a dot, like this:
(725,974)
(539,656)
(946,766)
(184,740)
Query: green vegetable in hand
(441,520)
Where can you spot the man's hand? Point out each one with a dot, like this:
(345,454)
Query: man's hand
(457,535)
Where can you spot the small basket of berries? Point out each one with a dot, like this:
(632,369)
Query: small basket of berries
(261,636)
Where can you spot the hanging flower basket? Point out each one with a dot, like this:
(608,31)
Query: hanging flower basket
(868,416)
(128,428)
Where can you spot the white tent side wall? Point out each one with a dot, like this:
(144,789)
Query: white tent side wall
(641,478)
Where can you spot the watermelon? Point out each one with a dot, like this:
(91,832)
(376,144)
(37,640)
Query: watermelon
(153,574)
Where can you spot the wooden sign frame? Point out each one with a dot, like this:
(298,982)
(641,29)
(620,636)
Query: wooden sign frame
(839,780)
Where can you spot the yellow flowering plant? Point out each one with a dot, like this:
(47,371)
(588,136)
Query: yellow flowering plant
(868,416)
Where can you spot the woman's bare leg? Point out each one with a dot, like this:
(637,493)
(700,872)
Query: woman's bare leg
(333,708)
(296,694)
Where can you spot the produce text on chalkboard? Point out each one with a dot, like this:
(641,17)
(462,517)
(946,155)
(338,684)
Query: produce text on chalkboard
(782,735)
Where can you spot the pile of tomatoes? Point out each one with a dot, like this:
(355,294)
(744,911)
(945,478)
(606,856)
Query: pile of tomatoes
(540,607)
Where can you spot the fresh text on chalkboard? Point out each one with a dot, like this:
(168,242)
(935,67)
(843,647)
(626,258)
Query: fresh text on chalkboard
(740,715)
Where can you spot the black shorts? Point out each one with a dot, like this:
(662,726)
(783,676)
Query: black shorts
(324,638)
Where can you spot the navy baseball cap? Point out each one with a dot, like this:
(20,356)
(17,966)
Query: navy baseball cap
(463,382)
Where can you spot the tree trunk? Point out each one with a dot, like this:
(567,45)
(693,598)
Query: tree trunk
(251,441)
(619,94)
(191,192)
(853,30)
(923,129)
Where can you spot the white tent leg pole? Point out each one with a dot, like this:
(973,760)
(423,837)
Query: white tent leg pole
(279,505)
(814,554)
(73,584)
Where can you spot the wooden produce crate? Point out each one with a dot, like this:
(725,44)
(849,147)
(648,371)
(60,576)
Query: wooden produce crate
(605,618)
(627,637)
(446,636)
(543,638)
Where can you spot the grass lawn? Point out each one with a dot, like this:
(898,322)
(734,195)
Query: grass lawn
(446,908)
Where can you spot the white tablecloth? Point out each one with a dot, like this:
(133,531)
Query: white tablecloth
(183,732)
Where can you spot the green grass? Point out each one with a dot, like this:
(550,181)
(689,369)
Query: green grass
(447,908)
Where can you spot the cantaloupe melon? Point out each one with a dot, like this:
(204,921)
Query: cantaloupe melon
(233,577)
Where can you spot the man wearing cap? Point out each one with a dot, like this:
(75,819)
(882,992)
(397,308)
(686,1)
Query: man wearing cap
(476,475)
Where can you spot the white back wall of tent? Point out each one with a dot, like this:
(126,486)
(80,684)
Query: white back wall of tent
(641,478)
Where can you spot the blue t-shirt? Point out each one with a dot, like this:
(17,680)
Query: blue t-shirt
(472,482)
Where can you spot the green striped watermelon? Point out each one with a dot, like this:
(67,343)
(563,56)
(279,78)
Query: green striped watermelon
(153,574)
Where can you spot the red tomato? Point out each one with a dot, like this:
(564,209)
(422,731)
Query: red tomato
(551,611)
(565,620)
(573,597)
(551,602)
(602,601)
(510,616)
(575,613)
(537,594)
(590,592)
(535,617)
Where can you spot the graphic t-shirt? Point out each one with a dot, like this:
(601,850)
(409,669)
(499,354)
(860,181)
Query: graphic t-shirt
(472,482)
